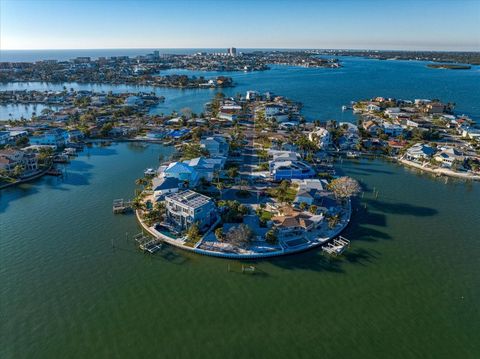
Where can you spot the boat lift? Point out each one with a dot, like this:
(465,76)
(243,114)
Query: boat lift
(337,246)
(148,244)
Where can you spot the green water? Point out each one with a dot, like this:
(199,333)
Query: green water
(407,288)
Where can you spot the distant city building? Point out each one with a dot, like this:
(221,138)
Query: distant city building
(232,52)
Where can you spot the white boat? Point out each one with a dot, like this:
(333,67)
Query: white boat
(351,154)
(150,172)
(344,108)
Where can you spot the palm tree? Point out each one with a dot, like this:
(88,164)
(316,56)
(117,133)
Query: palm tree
(220,187)
(232,172)
(137,203)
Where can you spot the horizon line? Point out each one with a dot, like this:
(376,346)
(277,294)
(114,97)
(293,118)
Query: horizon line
(262,48)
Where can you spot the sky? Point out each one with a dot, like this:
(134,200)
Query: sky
(360,24)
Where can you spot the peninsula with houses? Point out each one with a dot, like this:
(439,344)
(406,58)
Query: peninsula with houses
(250,177)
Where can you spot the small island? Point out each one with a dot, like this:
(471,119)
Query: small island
(449,66)
(245,187)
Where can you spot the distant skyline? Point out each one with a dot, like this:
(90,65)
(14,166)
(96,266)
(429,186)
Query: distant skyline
(369,24)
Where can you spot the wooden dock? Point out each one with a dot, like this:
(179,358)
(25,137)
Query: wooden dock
(121,206)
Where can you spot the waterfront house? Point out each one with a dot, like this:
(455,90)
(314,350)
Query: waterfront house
(471,133)
(206,166)
(321,137)
(252,95)
(371,127)
(155,135)
(56,138)
(348,127)
(392,129)
(182,172)
(420,151)
(436,108)
(288,170)
(294,224)
(178,133)
(392,111)
(75,135)
(215,145)
(4,137)
(349,141)
(10,158)
(373,108)
(164,186)
(448,156)
(187,207)
(120,131)
(308,190)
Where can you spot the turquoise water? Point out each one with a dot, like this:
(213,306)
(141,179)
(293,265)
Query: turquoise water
(407,288)
(322,91)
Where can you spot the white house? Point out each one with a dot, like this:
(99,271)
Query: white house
(471,133)
(187,207)
(206,167)
(373,108)
(252,95)
(279,155)
(448,156)
(420,151)
(392,129)
(10,158)
(392,110)
(308,190)
(182,172)
(215,145)
(320,136)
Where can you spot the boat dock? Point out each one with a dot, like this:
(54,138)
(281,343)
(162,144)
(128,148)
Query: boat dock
(121,206)
(54,172)
(148,244)
(152,246)
(337,246)
(62,158)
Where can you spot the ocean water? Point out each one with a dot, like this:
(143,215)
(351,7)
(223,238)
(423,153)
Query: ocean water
(322,91)
(65,55)
(407,288)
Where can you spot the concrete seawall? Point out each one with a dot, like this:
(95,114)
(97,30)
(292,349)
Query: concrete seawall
(440,171)
(299,249)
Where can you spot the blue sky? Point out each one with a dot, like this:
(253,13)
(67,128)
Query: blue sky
(373,24)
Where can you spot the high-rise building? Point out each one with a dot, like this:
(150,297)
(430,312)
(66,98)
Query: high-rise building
(232,51)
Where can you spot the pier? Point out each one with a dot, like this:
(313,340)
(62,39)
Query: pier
(121,206)
(337,246)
